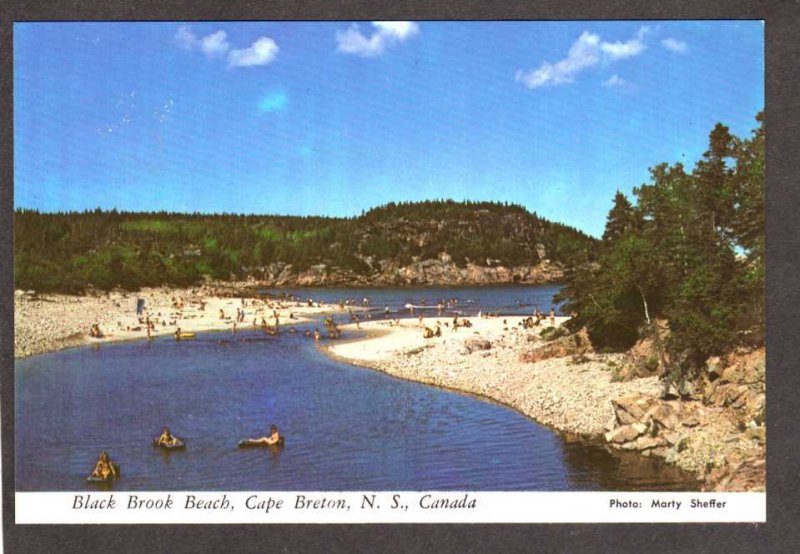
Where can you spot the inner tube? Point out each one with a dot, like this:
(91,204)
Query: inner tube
(177,446)
(109,479)
(249,443)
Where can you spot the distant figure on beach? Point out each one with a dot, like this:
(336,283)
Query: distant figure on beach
(221,314)
(139,306)
(438,332)
(427,333)
(95,331)
(166,438)
(316,334)
(104,468)
(455,322)
(552,317)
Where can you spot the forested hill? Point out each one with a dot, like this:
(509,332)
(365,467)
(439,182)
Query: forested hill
(434,242)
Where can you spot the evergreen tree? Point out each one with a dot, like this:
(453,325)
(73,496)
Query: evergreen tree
(621,218)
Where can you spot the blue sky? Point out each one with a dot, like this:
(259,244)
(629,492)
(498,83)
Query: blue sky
(338,117)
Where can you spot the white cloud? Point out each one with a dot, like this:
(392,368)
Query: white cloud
(621,50)
(386,33)
(261,52)
(185,38)
(401,30)
(615,81)
(215,44)
(675,45)
(589,50)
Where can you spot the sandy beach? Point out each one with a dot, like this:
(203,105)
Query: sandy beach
(554,392)
(50,322)
(576,396)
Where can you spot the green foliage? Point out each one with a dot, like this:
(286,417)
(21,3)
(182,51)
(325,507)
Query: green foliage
(72,251)
(690,251)
(553,333)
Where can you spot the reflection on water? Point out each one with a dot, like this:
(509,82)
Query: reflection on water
(598,467)
(346,428)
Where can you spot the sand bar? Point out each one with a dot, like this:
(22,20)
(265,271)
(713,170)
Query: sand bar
(50,322)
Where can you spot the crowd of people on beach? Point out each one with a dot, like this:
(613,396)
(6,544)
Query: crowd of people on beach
(266,311)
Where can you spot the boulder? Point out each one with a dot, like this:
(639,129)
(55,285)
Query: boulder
(714,367)
(647,443)
(572,345)
(691,422)
(664,416)
(628,409)
(756,433)
(640,428)
(475,343)
(626,433)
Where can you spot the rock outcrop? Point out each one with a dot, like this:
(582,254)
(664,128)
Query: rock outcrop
(576,344)
(721,435)
(425,272)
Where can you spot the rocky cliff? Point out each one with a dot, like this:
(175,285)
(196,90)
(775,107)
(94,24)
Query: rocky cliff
(427,272)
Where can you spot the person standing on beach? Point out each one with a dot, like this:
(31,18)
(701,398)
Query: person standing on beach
(552,317)
(139,306)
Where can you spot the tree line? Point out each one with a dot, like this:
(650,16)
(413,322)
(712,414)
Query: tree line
(689,252)
(72,251)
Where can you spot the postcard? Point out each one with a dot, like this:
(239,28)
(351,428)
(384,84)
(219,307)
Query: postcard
(275,272)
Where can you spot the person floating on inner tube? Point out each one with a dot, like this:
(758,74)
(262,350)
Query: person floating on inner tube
(104,469)
(273,438)
(166,439)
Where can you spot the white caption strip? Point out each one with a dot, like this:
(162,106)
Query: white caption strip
(386,507)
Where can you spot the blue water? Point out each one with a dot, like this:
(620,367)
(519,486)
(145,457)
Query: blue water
(467,301)
(346,428)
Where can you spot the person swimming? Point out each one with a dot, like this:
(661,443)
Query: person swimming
(104,468)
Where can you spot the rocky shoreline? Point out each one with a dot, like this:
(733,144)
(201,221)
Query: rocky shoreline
(431,272)
(575,394)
